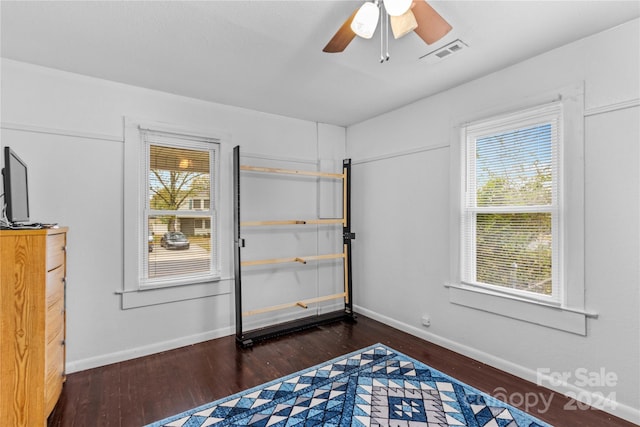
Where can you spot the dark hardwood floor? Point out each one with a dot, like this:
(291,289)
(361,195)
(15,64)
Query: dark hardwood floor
(140,391)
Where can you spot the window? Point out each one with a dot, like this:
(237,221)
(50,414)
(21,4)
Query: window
(511,231)
(517,179)
(180,176)
(172,216)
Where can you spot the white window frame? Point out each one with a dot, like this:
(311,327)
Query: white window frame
(545,114)
(567,313)
(135,292)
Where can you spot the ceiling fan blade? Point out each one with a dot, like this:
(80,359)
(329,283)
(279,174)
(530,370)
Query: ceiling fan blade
(431,26)
(342,37)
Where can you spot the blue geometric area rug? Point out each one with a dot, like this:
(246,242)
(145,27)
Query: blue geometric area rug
(375,386)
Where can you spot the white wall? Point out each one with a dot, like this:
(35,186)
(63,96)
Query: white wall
(69,130)
(401,199)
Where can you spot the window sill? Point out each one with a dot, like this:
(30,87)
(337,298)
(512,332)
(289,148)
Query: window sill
(539,313)
(153,296)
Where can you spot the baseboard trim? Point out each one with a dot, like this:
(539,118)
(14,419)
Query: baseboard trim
(133,353)
(617,409)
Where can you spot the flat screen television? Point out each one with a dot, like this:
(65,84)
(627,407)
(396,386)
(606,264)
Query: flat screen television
(16,189)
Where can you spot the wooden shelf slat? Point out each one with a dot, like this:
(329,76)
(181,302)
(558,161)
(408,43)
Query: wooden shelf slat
(303,304)
(291,171)
(291,259)
(292,222)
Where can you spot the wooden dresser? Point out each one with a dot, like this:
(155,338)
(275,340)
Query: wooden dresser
(32,328)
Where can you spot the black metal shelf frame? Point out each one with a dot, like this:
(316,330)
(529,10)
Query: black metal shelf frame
(247,338)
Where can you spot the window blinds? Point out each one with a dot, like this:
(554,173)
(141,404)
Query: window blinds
(179,220)
(510,208)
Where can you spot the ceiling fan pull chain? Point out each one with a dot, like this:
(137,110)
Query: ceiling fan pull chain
(384,34)
(386,28)
(381,33)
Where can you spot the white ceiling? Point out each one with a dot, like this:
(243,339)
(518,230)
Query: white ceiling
(267,55)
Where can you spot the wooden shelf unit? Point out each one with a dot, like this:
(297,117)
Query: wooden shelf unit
(33,318)
(247,338)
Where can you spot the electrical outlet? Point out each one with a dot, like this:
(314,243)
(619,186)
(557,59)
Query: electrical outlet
(426,320)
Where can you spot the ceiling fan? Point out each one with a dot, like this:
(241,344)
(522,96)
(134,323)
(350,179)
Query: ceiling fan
(404,16)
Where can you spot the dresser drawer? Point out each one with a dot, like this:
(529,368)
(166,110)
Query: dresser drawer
(55,336)
(56,247)
(54,328)
(54,350)
(54,372)
(55,285)
(52,392)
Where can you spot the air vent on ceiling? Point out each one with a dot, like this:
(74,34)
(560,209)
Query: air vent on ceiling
(444,52)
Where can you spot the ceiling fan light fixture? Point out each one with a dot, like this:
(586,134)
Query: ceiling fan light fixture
(366,20)
(403,15)
(397,7)
(403,24)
